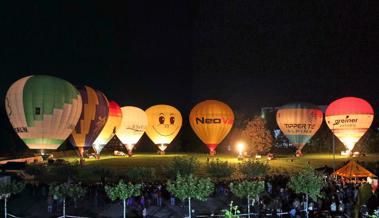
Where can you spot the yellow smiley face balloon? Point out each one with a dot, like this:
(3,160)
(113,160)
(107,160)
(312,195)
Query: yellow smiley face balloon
(164,123)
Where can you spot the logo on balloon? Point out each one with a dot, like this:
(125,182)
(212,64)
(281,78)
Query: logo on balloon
(346,122)
(136,128)
(300,126)
(222,120)
(20,129)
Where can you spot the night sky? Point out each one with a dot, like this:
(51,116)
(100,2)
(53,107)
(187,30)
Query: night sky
(249,54)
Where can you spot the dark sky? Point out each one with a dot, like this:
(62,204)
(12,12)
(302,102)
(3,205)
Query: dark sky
(247,53)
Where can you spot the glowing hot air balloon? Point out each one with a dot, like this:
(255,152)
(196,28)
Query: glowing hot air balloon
(299,122)
(133,125)
(43,110)
(164,123)
(92,119)
(110,128)
(349,118)
(211,120)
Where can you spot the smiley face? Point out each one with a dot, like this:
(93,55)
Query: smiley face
(164,123)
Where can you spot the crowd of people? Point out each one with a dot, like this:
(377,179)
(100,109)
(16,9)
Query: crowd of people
(340,198)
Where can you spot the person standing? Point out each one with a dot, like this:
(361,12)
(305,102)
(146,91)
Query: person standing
(49,203)
(144,212)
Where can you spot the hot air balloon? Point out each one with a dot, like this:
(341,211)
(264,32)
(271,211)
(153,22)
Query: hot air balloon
(92,119)
(349,118)
(211,120)
(43,110)
(164,123)
(299,122)
(110,128)
(133,125)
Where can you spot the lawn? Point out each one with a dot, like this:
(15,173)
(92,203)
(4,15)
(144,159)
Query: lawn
(282,164)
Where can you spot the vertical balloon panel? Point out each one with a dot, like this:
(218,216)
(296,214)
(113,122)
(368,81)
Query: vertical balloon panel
(43,110)
(92,119)
(112,124)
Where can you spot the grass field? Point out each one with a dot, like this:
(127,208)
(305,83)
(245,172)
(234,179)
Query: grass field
(282,164)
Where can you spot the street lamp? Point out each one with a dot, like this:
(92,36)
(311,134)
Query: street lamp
(240,148)
(334,151)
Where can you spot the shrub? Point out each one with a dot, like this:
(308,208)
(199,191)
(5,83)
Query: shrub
(251,169)
(219,169)
(183,166)
(139,174)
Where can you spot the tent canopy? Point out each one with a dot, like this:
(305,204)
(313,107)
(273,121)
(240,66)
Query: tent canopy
(353,170)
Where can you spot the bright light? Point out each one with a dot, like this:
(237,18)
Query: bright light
(349,142)
(162,147)
(129,147)
(240,147)
(346,153)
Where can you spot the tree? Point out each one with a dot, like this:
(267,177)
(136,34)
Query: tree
(364,193)
(257,136)
(123,191)
(7,189)
(252,169)
(183,166)
(307,182)
(190,187)
(247,189)
(219,169)
(76,191)
(65,190)
(39,171)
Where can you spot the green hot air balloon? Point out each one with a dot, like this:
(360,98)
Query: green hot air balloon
(43,110)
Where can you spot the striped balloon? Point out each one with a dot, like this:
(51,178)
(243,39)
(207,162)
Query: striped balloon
(349,118)
(43,110)
(113,123)
(299,122)
(92,119)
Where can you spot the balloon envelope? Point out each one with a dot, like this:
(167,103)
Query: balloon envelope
(164,123)
(43,110)
(133,125)
(299,122)
(110,128)
(349,118)
(211,120)
(92,119)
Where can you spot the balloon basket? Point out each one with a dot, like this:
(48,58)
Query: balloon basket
(162,152)
(212,153)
